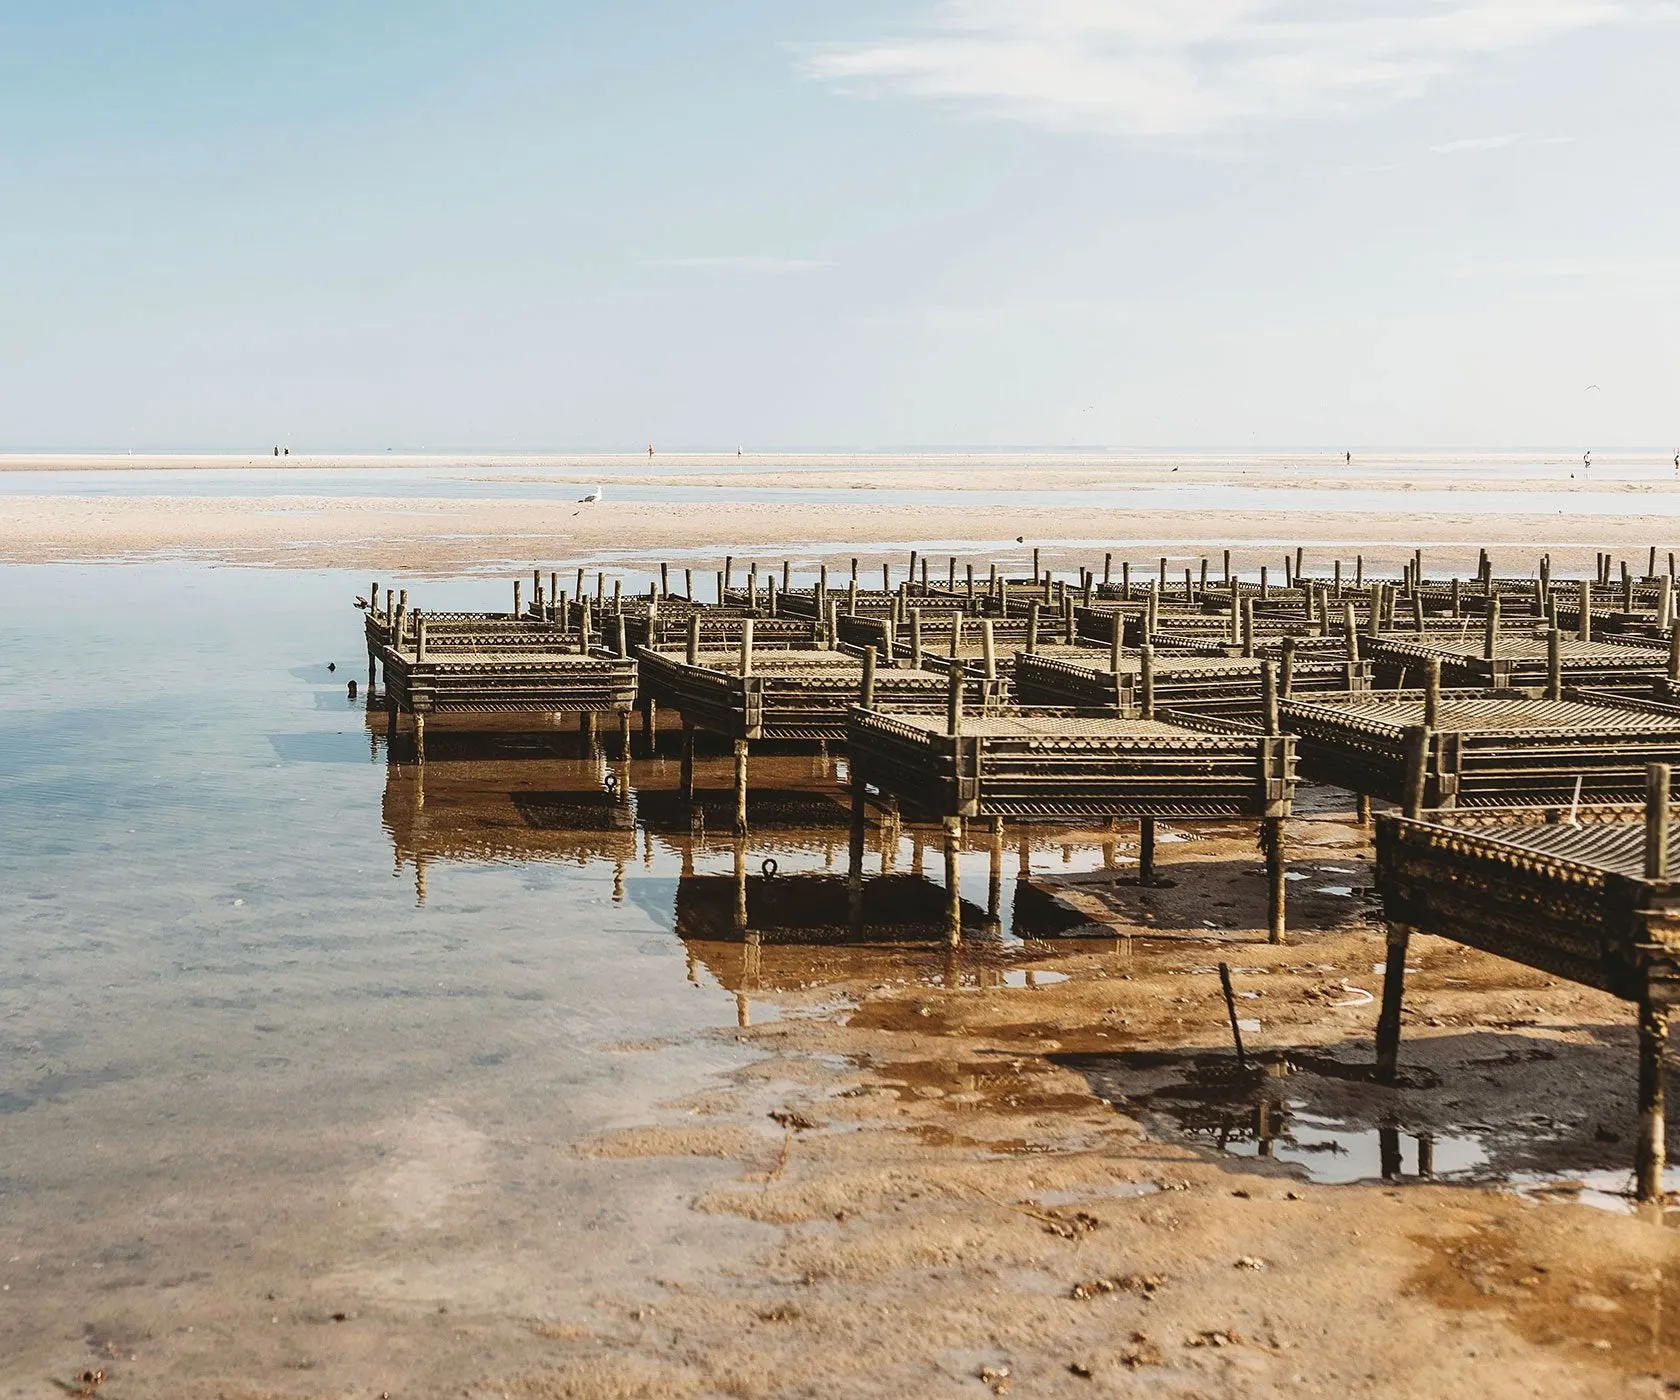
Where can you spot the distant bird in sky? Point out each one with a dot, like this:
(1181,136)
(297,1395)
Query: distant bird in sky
(1591,386)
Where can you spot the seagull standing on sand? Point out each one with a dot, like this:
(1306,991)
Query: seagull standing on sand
(589,500)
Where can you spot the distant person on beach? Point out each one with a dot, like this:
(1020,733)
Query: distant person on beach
(650,449)
(1349,458)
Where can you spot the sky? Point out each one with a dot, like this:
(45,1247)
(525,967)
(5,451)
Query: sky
(530,225)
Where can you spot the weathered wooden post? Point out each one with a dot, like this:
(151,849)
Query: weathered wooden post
(1265,588)
(687,771)
(728,574)
(1248,627)
(954,701)
(852,596)
(623,642)
(1417,612)
(517,613)
(1286,680)
(1338,579)
(1032,626)
(1146,850)
(1201,591)
(957,620)
(1394,991)
(1417,770)
(1227,566)
(1108,568)
(1584,630)
(694,639)
(1554,664)
(1651,1153)
(1665,604)
(1490,630)
(740,787)
(1035,573)
(1359,571)
(1373,618)
(866,694)
(1126,580)
(688,584)
(722,588)
(746,647)
(1116,650)
(1271,830)
(915,639)
(988,648)
(1432,693)
(1146,680)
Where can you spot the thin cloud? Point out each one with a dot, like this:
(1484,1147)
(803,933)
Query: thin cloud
(742,264)
(1161,68)
(1497,143)
(1617,268)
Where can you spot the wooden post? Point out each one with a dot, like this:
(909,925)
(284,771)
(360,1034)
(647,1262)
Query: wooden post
(622,639)
(740,787)
(1227,566)
(1248,627)
(1359,571)
(1338,578)
(1032,626)
(1108,568)
(1657,778)
(694,639)
(916,638)
(419,639)
(1286,680)
(1490,631)
(1146,850)
(1417,613)
(1652,1149)
(516,607)
(1417,770)
(1201,590)
(419,738)
(1146,659)
(866,697)
(1269,698)
(688,584)
(1277,883)
(1264,589)
(988,648)
(687,761)
(746,647)
(1394,991)
(728,574)
(1554,664)
(954,701)
(956,633)
(1432,693)
(1126,579)
(1665,604)
(1116,648)
(1584,631)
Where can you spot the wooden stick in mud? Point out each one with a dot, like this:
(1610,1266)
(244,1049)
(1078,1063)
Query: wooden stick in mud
(1231,1011)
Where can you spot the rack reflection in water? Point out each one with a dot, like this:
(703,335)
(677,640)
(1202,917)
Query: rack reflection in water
(797,904)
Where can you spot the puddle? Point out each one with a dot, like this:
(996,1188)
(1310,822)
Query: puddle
(1321,1117)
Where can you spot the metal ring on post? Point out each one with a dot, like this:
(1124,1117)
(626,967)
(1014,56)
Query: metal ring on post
(769,867)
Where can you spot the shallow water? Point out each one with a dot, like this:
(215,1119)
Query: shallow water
(278,1016)
(1449,484)
(289,1027)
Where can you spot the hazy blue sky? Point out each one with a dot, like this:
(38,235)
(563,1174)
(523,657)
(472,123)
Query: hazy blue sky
(550,225)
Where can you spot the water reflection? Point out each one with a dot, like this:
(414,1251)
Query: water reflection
(797,905)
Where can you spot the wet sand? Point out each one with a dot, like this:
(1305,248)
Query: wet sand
(446,534)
